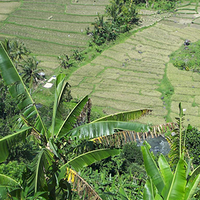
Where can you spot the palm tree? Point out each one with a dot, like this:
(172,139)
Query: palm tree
(16,50)
(53,169)
(30,71)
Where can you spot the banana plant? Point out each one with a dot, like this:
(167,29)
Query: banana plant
(165,184)
(50,171)
(168,182)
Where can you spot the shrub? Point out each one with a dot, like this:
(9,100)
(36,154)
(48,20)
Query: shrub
(13,169)
(187,57)
(132,153)
(65,61)
(77,55)
(193,144)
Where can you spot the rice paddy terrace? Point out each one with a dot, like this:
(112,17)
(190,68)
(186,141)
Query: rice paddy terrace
(48,27)
(133,74)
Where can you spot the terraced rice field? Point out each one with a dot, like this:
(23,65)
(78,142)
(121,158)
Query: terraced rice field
(56,26)
(127,76)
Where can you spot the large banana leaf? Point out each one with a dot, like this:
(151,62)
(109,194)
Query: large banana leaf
(71,119)
(165,172)
(151,168)
(6,181)
(165,169)
(8,141)
(19,91)
(195,173)
(125,116)
(176,188)
(192,183)
(86,159)
(149,190)
(191,187)
(39,167)
(60,87)
(104,128)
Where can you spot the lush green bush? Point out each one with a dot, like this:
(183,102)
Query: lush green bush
(122,15)
(114,174)
(65,61)
(132,153)
(187,57)
(13,169)
(8,110)
(109,186)
(193,144)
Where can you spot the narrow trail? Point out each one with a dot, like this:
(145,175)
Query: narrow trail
(129,75)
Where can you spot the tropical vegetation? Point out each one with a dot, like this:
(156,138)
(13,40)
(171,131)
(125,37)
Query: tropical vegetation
(55,161)
(179,181)
(26,64)
(45,151)
(187,57)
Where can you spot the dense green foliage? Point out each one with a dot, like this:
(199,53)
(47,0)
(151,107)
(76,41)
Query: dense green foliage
(192,143)
(123,172)
(165,183)
(8,110)
(67,61)
(122,15)
(26,64)
(187,57)
(54,165)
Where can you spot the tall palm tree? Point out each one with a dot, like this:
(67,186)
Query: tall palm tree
(30,71)
(52,169)
(16,50)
